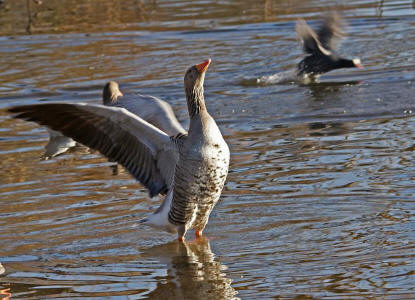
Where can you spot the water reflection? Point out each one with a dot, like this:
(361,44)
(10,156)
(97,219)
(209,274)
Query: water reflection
(30,15)
(35,16)
(323,91)
(193,272)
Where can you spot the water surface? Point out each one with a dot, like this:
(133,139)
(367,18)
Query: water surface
(319,202)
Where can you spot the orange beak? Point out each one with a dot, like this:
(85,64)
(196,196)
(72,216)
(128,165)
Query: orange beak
(203,66)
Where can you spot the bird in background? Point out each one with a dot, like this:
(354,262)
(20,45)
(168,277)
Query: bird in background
(188,170)
(152,109)
(320,47)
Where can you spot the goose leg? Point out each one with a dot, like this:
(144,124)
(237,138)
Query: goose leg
(198,233)
(181,230)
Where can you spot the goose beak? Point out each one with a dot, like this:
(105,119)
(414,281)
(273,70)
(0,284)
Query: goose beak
(203,66)
(357,63)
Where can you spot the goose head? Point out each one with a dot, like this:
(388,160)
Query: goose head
(193,84)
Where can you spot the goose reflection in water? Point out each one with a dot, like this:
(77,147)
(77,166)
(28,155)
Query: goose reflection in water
(193,272)
(6,293)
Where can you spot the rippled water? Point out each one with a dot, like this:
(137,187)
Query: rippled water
(319,202)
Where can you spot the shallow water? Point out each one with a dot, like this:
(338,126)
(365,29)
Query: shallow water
(319,202)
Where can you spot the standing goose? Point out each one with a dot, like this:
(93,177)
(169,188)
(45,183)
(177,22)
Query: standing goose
(189,170)
(151,109)
(321,45)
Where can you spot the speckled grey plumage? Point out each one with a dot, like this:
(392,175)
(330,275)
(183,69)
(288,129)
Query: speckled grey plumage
(203,162)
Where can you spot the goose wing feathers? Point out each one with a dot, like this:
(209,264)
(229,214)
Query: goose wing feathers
(153,110)
(145,151)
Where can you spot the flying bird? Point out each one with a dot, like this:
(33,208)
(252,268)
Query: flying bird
(320,47)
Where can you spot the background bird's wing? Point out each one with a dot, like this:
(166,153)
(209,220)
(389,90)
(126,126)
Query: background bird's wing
(57,144)
(153,110)
(145,151)
(309,39)
(331,31)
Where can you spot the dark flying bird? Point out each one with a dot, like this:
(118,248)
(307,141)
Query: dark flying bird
(320,47)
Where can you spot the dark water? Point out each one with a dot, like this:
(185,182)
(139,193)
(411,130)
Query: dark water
(319,203)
